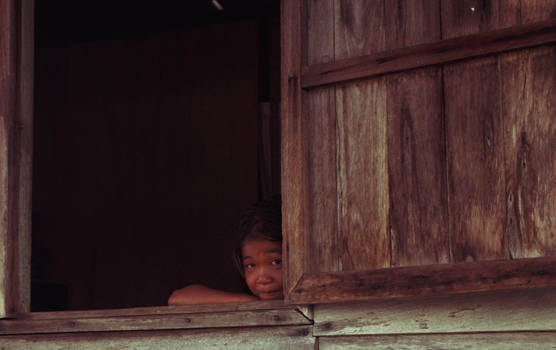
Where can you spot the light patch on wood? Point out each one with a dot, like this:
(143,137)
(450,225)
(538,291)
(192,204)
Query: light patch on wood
(483,341)
(526,310)
(416,168)
(528,93)
(363,198)
(475,161)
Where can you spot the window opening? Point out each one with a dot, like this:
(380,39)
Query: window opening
(154,128)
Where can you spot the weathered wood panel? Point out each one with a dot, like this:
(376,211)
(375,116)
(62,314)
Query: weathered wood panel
(463,17)
(476,128)
(423,281)
(322,217)
(7,103)
(366,27)
(249,338)
(475,157)
(418,218)
(439,52)
(31,324)
(537,10)
(363,110)
(363,197)
(25,149)
(319,121)
(526,310)
(528,84)
(16,115)
(293,160)
(482,341)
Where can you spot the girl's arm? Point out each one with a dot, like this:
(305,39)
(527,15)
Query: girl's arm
(199,294)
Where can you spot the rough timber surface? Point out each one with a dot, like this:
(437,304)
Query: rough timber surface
(481,341)
(157,318)
(528,83)
(278,338)
(526,310)
(319,123)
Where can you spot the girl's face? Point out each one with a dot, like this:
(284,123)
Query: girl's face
(262,265)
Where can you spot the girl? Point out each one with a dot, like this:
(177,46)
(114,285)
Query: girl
(257,255)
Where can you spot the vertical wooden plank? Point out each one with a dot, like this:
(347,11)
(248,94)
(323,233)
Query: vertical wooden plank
(493,134)
(293,162)
(25,149)
(418,217)
(464,17)
(363,179)
(8,93)
(475,159)
(537,10)
(528,80)
(319,120)
(366,27)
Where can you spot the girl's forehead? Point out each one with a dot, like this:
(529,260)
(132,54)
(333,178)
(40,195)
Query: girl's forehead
(260,246)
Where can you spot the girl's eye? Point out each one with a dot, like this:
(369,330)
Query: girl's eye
(248,266)
(277,262)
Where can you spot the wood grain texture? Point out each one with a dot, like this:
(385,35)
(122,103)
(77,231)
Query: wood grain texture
(481,341)
(159,310)
(363,198)
(528,83)
(418,218)
(531,310)
(537,10)
(367,27)
(423,281)
(6,96)
(417,56)
(464,17)
(294,200)
(25,149)
(319,122)
(475,157)
(318,31)
(247,338)
(103,323)
(9,171)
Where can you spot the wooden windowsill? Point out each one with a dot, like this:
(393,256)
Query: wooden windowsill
(260,313)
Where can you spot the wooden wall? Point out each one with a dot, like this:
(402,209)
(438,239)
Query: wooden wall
(145,154)
(443,164)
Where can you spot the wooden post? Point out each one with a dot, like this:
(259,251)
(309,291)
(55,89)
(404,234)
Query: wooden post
(16,106)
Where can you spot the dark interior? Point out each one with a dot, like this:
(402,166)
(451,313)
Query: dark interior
(155,127)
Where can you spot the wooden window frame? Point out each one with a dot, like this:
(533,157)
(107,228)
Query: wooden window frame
(16,137)
(302,286)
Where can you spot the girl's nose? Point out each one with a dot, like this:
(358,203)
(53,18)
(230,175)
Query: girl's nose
(263,276)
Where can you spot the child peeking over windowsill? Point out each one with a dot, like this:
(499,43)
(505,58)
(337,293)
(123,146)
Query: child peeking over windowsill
(257,254)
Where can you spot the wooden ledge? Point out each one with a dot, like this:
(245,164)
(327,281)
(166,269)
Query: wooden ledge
(425,281)
(263,313)
(440,52)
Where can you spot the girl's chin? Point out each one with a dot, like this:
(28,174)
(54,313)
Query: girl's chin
(270,295)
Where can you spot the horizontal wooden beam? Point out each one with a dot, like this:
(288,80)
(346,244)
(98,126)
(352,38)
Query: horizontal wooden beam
(251,338)
(425,281)
(477,312)
(479,341)
(161,318)
(429,54)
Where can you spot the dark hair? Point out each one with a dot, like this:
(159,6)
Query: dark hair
(263,220)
